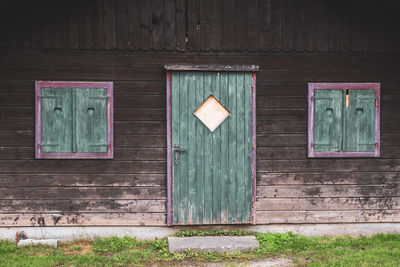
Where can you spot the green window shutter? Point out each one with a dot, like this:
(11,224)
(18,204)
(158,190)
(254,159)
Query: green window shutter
(328,114)
(359,119)
(56,120)
(90,116)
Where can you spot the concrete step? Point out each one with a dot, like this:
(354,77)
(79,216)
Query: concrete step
(46,242)
(213,243)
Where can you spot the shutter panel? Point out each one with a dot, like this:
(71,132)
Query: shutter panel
(91,120)
(328,120)
(360,121)
(56,104)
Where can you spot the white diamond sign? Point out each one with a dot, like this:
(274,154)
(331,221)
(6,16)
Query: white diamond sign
(212,113)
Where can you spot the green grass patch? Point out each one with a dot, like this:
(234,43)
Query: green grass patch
(114,244)
(186,233)
(376,250)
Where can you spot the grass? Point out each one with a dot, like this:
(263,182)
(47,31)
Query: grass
(376,250)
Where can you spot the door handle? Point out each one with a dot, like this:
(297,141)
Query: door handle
(177,150)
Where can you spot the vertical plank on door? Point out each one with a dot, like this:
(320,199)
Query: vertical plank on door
(247,148)
(240,144)
(232,147)
(175,88)
(200,155)
(192,184)
(224,151)
(216,144)
(208,160)
(183,144)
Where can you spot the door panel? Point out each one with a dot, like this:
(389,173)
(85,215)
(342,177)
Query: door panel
(211,171)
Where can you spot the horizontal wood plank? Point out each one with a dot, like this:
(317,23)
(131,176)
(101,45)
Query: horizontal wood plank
(296,191)
(80,206)
(328,204)
(83,193)
(322,178)
(79,219)
(300,152)
(329,165)
(86,180)
(353,216)
(81,166)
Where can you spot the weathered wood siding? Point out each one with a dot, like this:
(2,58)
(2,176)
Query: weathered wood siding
(198,25)
(131,189)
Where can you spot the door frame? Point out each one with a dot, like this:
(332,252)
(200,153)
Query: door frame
(211,68)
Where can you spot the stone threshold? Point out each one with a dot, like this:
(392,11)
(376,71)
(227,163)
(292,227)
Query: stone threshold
(213,243)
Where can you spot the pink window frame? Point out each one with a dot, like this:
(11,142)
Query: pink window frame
(311,89)
(38,124)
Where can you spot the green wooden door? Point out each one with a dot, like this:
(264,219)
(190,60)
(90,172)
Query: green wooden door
(212,176)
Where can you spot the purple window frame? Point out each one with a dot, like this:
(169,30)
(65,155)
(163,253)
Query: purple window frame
(245,68)
(38,124)
(311,89)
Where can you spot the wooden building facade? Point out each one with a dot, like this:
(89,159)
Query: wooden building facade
(128,42)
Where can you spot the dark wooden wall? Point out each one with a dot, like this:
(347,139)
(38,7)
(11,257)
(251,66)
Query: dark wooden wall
(130,190)
(196,25)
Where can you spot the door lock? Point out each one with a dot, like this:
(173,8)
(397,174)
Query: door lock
(177,150)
